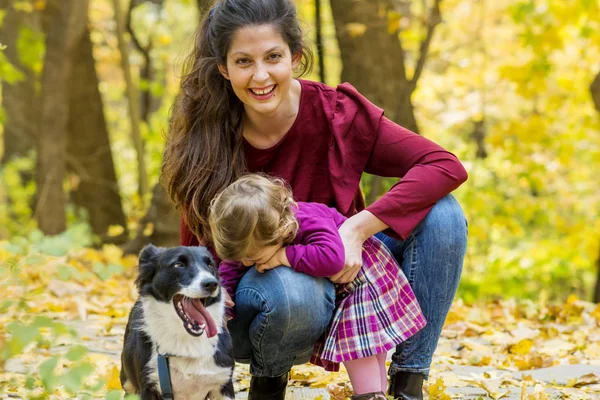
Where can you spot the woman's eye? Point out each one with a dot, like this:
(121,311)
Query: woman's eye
(178,265)
(242,61)
(274,56)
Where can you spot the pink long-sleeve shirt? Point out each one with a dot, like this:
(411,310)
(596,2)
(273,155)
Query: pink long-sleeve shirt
(316,250)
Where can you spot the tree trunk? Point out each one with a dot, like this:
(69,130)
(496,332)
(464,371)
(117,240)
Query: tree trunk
(19,100)
(64,22)
(160,225)
(595,92)
(88,148)
(374,61)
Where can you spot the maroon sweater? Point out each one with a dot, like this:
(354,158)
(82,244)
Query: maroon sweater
(338,134)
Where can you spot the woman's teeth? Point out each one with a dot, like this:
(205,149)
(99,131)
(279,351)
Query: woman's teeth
(263,92)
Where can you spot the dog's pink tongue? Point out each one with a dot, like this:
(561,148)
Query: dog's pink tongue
(201,316)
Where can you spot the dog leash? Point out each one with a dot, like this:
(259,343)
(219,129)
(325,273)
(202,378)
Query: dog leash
(164,376)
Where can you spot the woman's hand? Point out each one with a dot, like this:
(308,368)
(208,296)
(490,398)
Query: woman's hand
(278,259)
(354,231)
(353,242)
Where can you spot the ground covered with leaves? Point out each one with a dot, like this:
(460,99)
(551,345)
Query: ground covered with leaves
(63,314)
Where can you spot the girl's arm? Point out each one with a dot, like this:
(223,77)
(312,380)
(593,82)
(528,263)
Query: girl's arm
(320,251)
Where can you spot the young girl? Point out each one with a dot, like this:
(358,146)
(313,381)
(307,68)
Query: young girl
(256,223)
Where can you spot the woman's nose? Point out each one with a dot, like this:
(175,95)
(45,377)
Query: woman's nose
(260,73)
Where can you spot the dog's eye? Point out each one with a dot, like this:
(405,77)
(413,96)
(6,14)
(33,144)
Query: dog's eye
(178,265)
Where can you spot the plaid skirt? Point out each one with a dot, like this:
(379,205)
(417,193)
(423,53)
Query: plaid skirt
(374,313)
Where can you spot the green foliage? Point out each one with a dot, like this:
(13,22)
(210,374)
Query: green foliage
(8,73)
(69,371)
(31,48)
(16,193)
(532,202)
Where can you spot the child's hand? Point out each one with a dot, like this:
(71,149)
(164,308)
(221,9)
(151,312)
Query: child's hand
(278,259)
(228,302)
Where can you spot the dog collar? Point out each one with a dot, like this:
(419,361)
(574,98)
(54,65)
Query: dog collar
(164,376)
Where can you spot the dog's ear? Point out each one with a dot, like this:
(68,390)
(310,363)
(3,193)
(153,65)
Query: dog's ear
(148,253)
(147,265)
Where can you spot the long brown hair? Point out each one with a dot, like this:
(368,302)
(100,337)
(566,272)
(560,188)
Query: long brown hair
(204,149)
(253,212)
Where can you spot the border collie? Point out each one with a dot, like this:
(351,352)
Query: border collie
(179,313)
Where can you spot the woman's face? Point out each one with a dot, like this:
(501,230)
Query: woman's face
(259,67)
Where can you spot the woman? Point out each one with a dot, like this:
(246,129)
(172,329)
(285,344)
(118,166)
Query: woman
(241,110)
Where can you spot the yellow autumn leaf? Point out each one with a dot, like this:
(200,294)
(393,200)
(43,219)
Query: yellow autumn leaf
(112,253)
(572,299)
(588,379)
(115,230)
(40,5)
(522,348)
(437,390)
(393,23)
(596,313)
(149,229)
(23,6)
(165,39)
(356,29)
(113,382)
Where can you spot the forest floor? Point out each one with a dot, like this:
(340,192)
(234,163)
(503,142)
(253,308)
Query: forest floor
(63,318)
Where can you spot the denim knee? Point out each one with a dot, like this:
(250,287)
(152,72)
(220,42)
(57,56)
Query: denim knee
(446,225)
(280,315)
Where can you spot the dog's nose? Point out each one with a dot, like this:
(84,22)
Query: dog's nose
(209,285)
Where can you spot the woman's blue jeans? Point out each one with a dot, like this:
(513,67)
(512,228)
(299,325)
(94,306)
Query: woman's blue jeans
(280,314)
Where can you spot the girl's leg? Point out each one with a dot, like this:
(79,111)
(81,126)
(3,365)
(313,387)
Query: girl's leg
(382,370)
(365,375)
(279,316)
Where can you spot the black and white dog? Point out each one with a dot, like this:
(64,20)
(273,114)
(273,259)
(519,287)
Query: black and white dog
(180,313)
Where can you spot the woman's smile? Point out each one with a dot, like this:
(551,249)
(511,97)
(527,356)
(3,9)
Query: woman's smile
(263,93)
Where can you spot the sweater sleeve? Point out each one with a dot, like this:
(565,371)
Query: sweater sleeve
(428,173)
(319,250)
(231,273)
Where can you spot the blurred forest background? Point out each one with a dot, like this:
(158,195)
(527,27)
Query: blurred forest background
(511,87)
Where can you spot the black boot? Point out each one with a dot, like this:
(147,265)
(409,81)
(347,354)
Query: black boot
(406,386)
(266,388)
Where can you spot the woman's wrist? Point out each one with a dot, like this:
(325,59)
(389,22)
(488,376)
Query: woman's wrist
(364,225)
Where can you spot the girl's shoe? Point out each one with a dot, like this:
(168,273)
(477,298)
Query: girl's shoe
(406,386)
(267,388)
(370,396)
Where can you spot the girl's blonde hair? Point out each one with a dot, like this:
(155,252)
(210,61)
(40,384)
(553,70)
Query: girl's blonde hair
(254,211)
